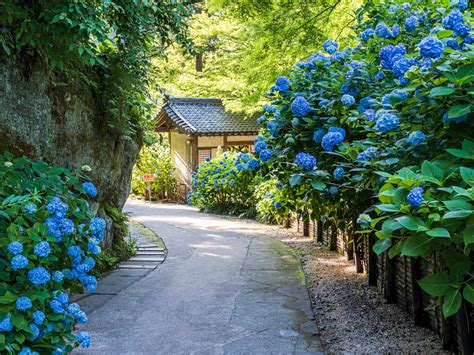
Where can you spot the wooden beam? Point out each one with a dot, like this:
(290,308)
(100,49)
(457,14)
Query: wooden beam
(416,293)
(372,261)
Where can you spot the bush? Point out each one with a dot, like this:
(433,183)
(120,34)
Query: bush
(155,159)
(49,240)
(376,119)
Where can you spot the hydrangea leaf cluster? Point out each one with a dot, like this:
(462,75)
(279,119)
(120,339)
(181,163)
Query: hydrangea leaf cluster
(39,225)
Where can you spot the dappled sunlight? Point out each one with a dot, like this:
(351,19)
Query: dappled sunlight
(210,246)
(216,255)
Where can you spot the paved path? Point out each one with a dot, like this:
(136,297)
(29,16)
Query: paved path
(224,288)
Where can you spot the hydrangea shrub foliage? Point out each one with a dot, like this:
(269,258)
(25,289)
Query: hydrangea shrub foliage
(49,239)
(381,133)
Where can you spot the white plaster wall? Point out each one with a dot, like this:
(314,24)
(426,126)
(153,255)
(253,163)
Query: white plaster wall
(179,153)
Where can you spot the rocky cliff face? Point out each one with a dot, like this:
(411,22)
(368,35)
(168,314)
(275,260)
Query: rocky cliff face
(61,123)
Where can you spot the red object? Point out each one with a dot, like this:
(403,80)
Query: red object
(148,177)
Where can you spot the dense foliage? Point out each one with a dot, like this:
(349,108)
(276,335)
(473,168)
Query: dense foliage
(108,44)
(244,45)
(155,159)
(49,239)
(381,133)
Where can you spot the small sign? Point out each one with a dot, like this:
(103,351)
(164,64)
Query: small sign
(148,177)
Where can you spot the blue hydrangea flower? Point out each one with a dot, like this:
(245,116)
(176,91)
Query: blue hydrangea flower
(454,43)
(340,130)
(38,317)
(26,351)
(74,251)
(305,161)
(331,140)
(6,324)
(58,276)
(282,84)
(367,154)
(89,188)
(406,5)
(36,332)
(367,34)
(274,127)
(393,8)
(333,190)
(411,23)
(89,282)
(259,146)
(97,227)
(15,248)
(452,19)
(401,66)
(461,29)
(347,88)
(59,227)
(347,100)
(277,204)
(61,297)
(386,121)
(390,54)
(394,97)
(19,262)
(415,197)
(56,306)
(395,31)
(42,249)
(39,276)
(23,303)
(84,339)
(56,207)
(253,164)
(370,115)
(318,135)
(383,31)
(300,107)
(416,138)
(330,46)
(30,208)
(380,75)
(324,103)
(338,173)
(461,4)
(265,155)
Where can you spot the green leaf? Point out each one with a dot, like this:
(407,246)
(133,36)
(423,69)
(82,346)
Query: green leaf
(412,223)
(388,207)
(457,214)
(468,293)
(2,339)
(436,284)
(458,153)
(441,91)
(8,298)
(382,245)
(407,174)
(295,179)
(439,233)
(459,110)
(416,245)
(432,170)
(19,321)
(390,225)
(452,303)
(318,185)
(467,175)
(468,235)
(457,205)
(444,34)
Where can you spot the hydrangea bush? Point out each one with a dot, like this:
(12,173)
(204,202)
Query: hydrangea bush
(49,240)
(373,134)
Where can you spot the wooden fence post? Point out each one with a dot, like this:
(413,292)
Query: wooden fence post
(417,296)
(372,261)
(465,329)
(390,280)
(333,238)
(306,228)
(319,231)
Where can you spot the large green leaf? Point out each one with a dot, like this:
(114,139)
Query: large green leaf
(468,235)
(436,284)
(412,223)
(457,205)
(469,293)
(390,225)
(388,207)
(318,185)
(452,303)
(8,298)
(467,175)
(295,179)
(459,110)
(457,214)
(416,245)
(439,233)
(382,245)
(441,91)
(431,170)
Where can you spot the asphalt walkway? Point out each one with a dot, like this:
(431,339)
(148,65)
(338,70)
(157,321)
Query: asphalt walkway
(225,288)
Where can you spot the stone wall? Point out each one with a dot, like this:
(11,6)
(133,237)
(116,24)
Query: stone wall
(59,121)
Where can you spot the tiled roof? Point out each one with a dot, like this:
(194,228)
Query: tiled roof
(207,116)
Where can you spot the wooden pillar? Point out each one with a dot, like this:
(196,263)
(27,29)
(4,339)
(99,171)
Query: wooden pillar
(195,151)
(306,228)
(357,250)
(333,238)
(225,142)
(417,296)
(350,244)
(372,261)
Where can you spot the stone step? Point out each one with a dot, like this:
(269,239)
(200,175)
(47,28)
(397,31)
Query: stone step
(150,252)
(149,246)
(128,265)
(147,259)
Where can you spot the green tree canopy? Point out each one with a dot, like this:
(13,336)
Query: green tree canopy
(246,44)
